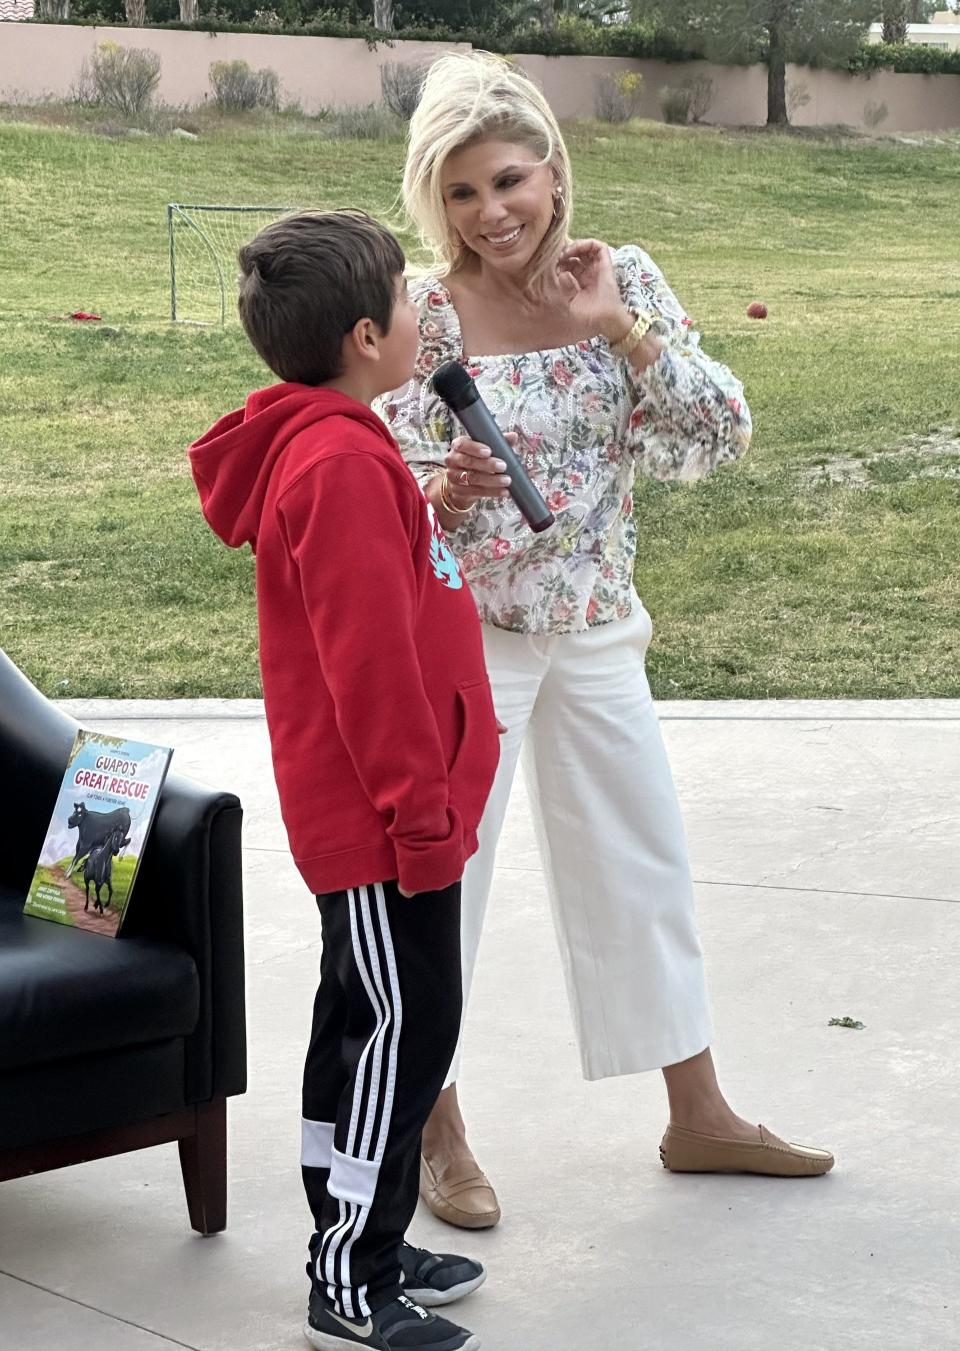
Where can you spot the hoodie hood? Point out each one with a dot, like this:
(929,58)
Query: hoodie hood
(234,461)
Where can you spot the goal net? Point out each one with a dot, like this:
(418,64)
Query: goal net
(203,257)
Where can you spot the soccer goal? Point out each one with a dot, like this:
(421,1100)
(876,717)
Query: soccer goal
(203,257)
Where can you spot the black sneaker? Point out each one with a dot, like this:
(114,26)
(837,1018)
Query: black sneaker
(400,1325)
(432,1279)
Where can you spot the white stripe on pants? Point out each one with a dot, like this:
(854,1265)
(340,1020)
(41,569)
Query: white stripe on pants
(611,839)
(354,1174)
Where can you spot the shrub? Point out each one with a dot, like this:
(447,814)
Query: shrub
(400,83)
(372,123)
(122,78)
(577,37)
(616,97)
(571,37)
(908,58)
(237,88)
(875,113)
(701,96)
(798,96)
(268,19)
(675,103)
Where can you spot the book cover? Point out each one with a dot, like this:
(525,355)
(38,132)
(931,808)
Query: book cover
(92,850)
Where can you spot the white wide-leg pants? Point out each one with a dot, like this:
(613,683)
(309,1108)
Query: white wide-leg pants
(611,839)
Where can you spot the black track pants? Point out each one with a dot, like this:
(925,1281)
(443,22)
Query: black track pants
(385,1023)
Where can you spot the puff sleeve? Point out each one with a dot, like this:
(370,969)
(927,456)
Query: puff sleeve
(690,415)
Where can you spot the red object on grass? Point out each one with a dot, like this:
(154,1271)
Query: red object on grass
(756,310)
(83,314)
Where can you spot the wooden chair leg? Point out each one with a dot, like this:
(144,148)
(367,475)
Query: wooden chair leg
(203,1162)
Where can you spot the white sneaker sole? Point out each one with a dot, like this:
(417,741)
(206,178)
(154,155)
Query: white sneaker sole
(323,1341)
(435,1299)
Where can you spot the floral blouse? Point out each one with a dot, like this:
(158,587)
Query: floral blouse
(586,422)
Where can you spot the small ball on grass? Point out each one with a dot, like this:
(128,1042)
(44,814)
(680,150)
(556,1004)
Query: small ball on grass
(756,310)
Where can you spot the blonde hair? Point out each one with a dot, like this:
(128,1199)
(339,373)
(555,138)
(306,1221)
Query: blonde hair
(469,97)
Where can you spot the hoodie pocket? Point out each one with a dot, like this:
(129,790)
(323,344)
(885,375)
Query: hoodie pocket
(475,760)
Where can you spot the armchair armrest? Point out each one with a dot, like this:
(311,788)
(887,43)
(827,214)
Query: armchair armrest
(190,892)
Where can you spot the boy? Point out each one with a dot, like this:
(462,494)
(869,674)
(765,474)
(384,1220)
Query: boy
(384,747)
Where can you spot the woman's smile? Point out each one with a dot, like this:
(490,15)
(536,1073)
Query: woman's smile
(503,240)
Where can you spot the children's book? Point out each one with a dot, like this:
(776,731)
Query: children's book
(95,840)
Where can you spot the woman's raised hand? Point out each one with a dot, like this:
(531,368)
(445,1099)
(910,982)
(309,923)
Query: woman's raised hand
(585,273)
(473,472)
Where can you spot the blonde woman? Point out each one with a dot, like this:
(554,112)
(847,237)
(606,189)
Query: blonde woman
(586,357)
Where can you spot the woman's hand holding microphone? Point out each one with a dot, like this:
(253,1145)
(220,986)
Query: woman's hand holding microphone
(473,473)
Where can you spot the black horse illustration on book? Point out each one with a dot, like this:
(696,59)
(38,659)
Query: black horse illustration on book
(95,828)
(98,869)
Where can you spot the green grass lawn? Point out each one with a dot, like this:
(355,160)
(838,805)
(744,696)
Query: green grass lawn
(826,564)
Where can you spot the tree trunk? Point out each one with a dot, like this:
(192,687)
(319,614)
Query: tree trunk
(383,15)
(188,11)
(548,15)
(777,74)
(136,11)
(57,11)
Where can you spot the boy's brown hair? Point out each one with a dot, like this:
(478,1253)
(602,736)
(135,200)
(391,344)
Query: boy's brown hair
(307,279)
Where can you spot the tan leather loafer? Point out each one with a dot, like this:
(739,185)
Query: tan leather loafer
(684,1151)
(459,1194)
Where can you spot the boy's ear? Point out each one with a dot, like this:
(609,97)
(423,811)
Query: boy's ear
(363,340)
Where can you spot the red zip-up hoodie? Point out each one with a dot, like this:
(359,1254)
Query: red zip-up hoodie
(378,704)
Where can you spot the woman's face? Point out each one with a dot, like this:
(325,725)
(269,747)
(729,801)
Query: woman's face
(499,198)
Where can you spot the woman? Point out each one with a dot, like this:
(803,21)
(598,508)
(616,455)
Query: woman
(586,356)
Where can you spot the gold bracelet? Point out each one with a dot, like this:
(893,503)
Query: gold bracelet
(447,503)
(629,344)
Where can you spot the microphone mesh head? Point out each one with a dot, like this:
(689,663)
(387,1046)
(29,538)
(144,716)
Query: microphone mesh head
(452,381)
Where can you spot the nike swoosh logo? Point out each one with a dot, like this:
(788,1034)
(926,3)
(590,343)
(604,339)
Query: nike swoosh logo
(364,1330)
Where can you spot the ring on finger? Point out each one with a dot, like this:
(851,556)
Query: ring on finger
(464,478)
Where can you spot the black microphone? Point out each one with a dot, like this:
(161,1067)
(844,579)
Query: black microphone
(462,397)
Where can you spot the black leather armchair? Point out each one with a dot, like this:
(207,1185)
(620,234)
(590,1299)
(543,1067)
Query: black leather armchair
(108,1045)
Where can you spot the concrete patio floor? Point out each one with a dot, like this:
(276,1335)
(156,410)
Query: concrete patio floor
(825,846)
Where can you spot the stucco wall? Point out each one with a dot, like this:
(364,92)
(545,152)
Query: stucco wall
(739,92)
(40,60)
(914,102)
